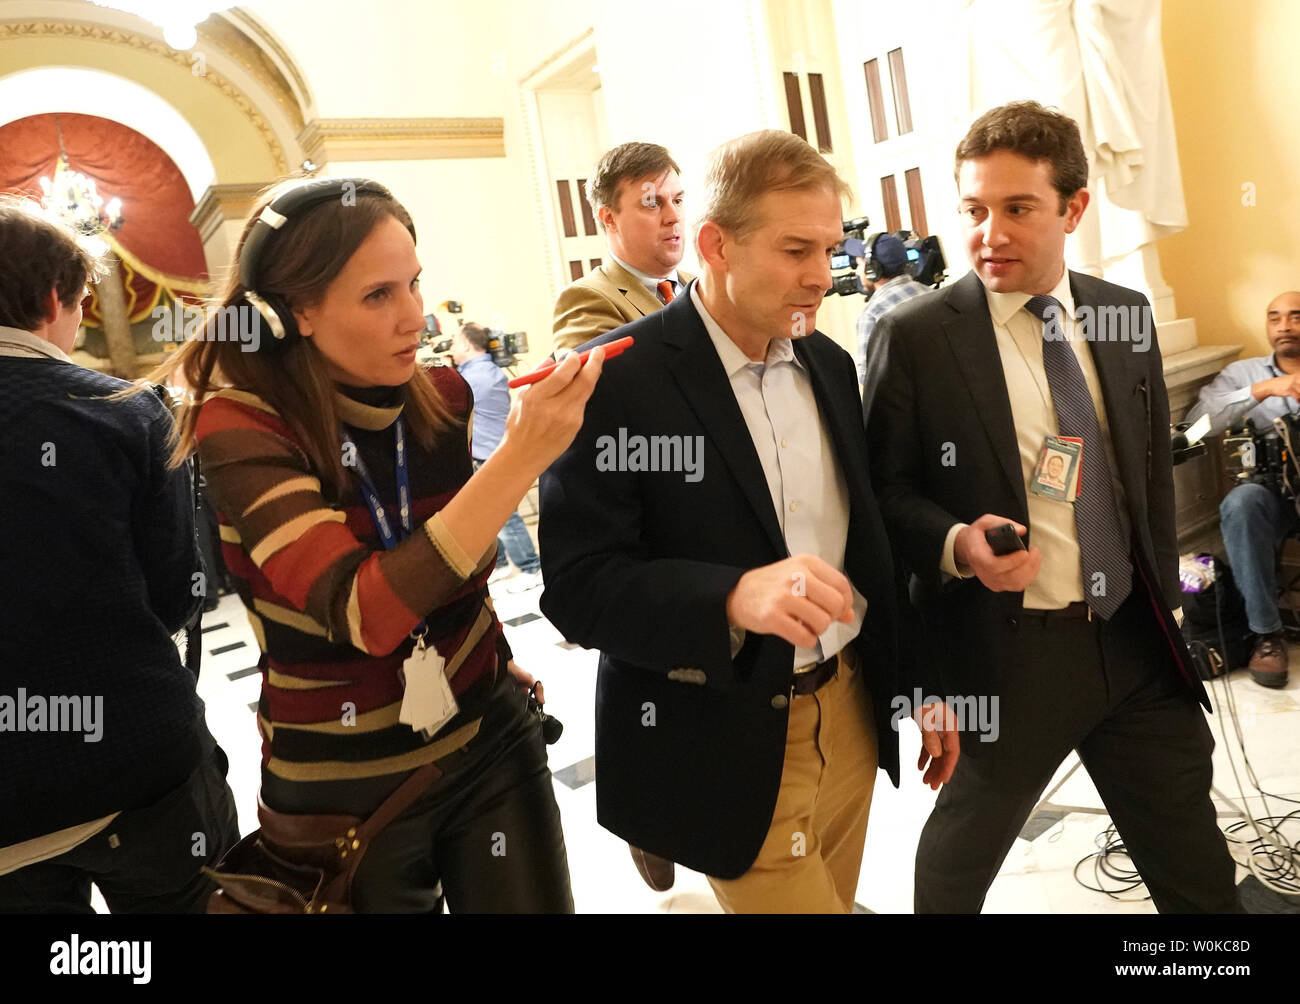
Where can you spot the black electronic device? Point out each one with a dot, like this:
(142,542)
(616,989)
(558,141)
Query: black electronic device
(844,277)
(925,259)
(1264,456)
(552,727)
(507,347)
(1004,540)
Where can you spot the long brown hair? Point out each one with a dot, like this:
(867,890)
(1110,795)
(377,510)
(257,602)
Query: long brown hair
(297,263)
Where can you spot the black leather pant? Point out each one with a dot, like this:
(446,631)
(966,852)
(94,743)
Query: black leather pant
(485,839)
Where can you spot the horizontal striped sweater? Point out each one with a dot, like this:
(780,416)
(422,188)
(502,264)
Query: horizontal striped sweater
(331,609)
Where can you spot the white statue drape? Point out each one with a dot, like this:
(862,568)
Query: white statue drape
(1100,62)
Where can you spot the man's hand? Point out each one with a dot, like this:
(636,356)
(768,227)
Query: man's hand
(940,743)
(1008,573)
(1286,385)
(796,599)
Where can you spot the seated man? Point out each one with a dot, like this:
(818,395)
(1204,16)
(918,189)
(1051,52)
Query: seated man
(1255,519)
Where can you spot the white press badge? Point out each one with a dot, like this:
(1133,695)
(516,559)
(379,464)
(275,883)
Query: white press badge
(1058,474)
(427,701)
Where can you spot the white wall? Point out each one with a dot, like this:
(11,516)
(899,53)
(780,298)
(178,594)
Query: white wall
(683,74)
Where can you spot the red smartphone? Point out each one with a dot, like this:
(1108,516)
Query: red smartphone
(611,350)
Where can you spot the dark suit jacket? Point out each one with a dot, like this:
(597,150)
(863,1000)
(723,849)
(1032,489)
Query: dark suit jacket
(689,744)
(934,378)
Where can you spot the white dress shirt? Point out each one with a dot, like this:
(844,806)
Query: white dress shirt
(1051,523)
(803,474)
(25,345)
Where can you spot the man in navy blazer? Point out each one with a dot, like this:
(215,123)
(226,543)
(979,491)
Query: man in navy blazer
(969,389)
(713,532)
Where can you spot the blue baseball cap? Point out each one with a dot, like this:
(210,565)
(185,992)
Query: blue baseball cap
(889,254)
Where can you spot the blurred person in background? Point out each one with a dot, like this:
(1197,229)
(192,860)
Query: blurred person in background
(110,774)
(469,351)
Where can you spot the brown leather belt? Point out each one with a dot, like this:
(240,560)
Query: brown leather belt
(1047,618)
(811,680)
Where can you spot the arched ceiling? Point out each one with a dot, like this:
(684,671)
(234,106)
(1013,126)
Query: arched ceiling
(107,95)
(236,89)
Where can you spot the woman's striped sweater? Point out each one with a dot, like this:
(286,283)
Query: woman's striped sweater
(331,609)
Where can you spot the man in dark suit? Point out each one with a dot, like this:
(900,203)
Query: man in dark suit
(713,532)
(966,389)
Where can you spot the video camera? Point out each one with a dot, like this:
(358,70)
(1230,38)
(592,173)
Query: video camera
(925,261)
(507,347)
(504,347)
(1264,456)
(844,280)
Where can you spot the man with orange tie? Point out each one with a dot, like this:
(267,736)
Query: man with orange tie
(636,194)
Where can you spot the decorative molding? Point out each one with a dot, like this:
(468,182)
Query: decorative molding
(565,52)
(326,140)
(221,204)
(575,50)
(15,30)
(230,38)
(276,53)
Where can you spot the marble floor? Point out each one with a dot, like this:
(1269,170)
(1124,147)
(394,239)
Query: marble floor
(1037,877)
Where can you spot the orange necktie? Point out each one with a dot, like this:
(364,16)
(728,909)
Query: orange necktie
(666,291)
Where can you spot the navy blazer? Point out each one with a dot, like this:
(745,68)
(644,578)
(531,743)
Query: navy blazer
(638,564)
(934,389)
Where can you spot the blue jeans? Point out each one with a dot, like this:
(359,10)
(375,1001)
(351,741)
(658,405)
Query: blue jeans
(1254,521)
(514,543)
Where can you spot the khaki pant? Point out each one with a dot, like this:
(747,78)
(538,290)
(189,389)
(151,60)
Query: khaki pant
(810,860)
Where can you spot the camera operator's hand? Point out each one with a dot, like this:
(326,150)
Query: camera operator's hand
(547,415)
(796,599)
(1286,385)
(1007,573)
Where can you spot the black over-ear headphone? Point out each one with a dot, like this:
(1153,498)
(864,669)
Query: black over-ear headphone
(273,309)
(873,269)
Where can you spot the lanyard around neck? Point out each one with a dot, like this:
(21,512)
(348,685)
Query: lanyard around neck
(378,513)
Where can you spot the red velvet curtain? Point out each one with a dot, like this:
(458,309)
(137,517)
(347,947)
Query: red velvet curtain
(159,247)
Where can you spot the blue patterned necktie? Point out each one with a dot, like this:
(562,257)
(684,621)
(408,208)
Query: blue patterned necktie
(1107,571)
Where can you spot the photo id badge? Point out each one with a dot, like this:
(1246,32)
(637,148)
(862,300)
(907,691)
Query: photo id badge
(427,701)
(1059,467)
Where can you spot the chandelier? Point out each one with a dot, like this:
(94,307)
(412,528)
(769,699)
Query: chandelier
(71,198)
(178,19)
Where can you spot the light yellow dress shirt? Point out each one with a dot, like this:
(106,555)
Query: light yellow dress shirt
(1051,523)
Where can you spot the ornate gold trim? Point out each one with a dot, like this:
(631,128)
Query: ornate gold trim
(247,22)
(231,39)
(326,140)
(11,30)
(221,203)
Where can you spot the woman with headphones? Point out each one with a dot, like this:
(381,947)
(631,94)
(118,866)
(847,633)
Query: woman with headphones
(362,540)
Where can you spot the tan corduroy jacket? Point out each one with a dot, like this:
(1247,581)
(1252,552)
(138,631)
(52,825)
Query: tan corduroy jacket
(603,299)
